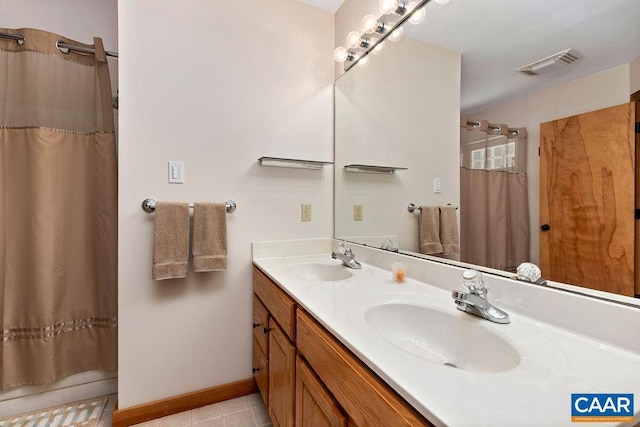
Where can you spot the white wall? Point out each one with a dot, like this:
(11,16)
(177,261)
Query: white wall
(215,85)
(635,75)
(600,90)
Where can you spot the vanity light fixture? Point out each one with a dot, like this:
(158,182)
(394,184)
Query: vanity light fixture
(388,24)
(418,15)
(442,1)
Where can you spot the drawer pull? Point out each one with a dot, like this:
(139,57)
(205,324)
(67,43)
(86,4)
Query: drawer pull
(255,370)
(255,325)
(267,330)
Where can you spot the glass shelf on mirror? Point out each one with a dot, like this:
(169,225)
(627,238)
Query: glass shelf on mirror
(388,170)
(292,163)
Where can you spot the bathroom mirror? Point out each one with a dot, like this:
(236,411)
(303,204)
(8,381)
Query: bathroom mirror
(401,110)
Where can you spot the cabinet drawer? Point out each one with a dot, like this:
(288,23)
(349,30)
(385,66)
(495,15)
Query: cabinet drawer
(277,302)
(261,370)
(260,324)
(364,396)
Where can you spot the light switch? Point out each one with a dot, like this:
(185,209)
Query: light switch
(176,172)
(437,185)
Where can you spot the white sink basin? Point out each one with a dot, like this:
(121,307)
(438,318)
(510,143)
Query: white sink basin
(443,338)
(321,272)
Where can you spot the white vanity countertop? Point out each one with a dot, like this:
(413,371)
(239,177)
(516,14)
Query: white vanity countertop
(554,362)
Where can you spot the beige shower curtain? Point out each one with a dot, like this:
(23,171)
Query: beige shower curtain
(58,205)
(494,208)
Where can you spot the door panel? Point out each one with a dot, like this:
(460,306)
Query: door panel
(587,199)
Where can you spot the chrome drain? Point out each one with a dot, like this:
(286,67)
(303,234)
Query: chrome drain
(450,364)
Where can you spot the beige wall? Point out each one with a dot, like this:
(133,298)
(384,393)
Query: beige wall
(215,85)
(635,75)
(401,110)
(600,90)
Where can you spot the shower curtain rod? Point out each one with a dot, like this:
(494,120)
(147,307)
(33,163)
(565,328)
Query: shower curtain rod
(59,44)
(493,127)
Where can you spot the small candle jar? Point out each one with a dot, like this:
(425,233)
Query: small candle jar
(399,270)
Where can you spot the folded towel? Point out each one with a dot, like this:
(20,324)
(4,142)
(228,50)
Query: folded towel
(449,230)
(170,241)
(429,230)
(209,237)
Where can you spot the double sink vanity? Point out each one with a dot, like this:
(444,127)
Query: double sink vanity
(341,346)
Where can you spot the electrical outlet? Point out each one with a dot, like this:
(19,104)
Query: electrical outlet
(305,213)
(437,185)
(357,212)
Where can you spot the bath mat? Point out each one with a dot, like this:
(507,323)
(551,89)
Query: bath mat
(86,413)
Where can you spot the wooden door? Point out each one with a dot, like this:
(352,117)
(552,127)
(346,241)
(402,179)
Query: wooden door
(282,359)
(315,406)
(587,199)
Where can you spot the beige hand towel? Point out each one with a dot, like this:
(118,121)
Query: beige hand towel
(209,237)
(449,230)
(429,229)
(170,241)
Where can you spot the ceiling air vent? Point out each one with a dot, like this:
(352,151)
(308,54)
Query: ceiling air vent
(551,63)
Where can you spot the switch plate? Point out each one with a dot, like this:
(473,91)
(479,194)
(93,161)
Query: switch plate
(357,212)
(176,172)
(305,213)
(437,185)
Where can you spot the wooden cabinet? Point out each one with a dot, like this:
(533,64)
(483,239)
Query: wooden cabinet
(274,309)
(311,379)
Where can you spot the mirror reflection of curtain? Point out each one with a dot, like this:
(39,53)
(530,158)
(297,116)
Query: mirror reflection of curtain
(58,204)
(494,212)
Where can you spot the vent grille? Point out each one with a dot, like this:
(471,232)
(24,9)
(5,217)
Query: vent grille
(551,63)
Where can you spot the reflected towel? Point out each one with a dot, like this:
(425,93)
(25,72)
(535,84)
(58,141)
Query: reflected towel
(209,237)
(429,230)
(449,230)
(170,241)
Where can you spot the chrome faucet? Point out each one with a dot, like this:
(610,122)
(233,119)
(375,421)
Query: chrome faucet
(475,302)
(346,256)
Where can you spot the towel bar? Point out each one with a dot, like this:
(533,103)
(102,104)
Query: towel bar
(412,207)
(149,205)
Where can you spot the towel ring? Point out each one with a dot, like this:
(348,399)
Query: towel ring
(149,205)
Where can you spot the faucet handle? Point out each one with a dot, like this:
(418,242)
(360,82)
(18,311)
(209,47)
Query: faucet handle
(472,281)
(343,247)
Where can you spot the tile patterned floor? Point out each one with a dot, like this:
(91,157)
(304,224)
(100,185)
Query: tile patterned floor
(245,411)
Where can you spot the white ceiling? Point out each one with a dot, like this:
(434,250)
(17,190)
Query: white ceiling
(328,5)
(496,37)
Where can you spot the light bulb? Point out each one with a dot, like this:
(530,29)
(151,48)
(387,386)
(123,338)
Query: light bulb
(396,34)
(442,1)
(379,48)
(386,5)
(369,23)
(418,15)
(353,39)
(340,54)
(363,62)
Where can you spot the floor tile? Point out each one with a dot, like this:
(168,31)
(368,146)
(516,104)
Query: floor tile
(240,419)
(205,413)
(181,419)
(235,405)
(216,422)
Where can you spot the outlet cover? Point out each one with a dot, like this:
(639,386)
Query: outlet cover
(357,212)
(305,213)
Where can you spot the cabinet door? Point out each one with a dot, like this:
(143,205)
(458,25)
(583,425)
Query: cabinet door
(315,407)
(281,376)
(261,371)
